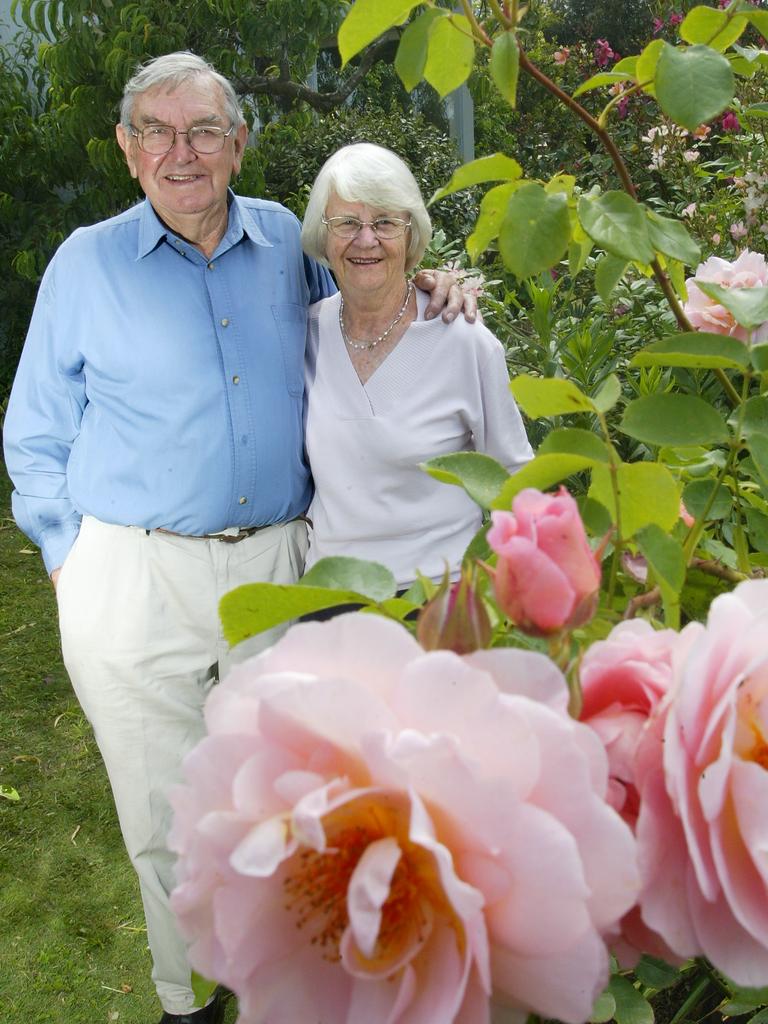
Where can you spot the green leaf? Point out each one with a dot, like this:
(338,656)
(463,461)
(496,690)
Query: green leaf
(574,441)
(631,1006)
(617,223)
(656,974)
(760,20)
(549,396)
(712,28)
(609,394)
(752,997)
(497,167)
(609,272)
(647,494)
(604,1009)
(535,232)
(543,472)
(697,495)
(695,349)
(254,607)
(664,555)
(600,79)
(749,306)
(451,54)
(759,357)
(756,110)
(352,574)
(693,85)
(674,419)
(493,208)
(758,449)
(9,793)
(671,237)
(367,20)
(481,476)
(757,527)
(755,416)
(505,66)
(411,55)
(647,63)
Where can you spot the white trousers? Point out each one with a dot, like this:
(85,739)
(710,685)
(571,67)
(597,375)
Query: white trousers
(143,645)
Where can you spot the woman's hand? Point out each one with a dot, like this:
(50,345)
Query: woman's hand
(445,296)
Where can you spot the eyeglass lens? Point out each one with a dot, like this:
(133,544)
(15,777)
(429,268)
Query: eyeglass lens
(160,138)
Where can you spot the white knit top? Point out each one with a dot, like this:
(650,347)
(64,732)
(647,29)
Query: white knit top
(444,388)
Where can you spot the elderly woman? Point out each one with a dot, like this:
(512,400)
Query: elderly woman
(386,388)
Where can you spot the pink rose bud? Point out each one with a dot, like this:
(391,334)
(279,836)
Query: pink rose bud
(547,577)
(685,515)
(455,619)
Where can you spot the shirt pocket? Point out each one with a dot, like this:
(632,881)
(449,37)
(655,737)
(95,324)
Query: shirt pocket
(291,321)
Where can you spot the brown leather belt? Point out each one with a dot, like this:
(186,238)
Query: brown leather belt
(227,538)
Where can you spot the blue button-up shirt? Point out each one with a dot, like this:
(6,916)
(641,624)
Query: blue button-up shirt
(158,388)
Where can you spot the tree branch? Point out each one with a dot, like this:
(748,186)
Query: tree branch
(297,92)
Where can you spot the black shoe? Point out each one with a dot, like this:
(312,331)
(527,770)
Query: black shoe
(213,1013)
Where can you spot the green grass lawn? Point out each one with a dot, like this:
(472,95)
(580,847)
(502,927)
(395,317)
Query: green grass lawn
(72,942)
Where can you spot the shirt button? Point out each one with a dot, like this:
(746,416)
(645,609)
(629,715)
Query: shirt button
(235,379)
(225,322)
(243,501)
(210,266)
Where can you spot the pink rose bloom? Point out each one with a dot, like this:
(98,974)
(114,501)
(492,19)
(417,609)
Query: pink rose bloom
(561,56)
(702,773)
(547,577)
(749,270)
(373,833)
(658,26)
(729,122)
(675,19)
(623,678)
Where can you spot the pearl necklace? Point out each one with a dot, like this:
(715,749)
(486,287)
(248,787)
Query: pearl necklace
(363,346)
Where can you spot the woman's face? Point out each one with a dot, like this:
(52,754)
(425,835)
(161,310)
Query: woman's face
(365,263)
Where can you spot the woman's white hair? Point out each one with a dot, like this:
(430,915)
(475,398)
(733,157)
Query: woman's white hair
(364,173)
(171,70)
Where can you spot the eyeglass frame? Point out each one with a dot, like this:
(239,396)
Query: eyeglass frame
(367,224)
(138,132)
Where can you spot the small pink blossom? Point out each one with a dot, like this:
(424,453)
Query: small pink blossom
(685,515)
(603,52)
(675,19)
(689,210)
(658,26)
(738,230)
(716,238)
(561,56)
(701,132)
(702,773)
(691,155)
(749,270)
(547,577)
(729,122)
(375,834)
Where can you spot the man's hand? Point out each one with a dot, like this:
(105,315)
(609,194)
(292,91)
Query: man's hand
(446,296)
(55,577)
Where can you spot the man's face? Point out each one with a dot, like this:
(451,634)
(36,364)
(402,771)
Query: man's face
(187,189)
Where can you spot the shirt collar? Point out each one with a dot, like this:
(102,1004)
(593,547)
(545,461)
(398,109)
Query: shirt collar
(152,231)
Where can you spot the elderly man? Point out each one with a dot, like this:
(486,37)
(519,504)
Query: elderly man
(154,437)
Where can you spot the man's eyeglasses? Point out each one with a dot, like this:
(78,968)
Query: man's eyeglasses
(156,139)
(382,227)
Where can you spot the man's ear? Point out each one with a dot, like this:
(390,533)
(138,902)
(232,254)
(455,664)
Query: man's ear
(241,137)
(127,142)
